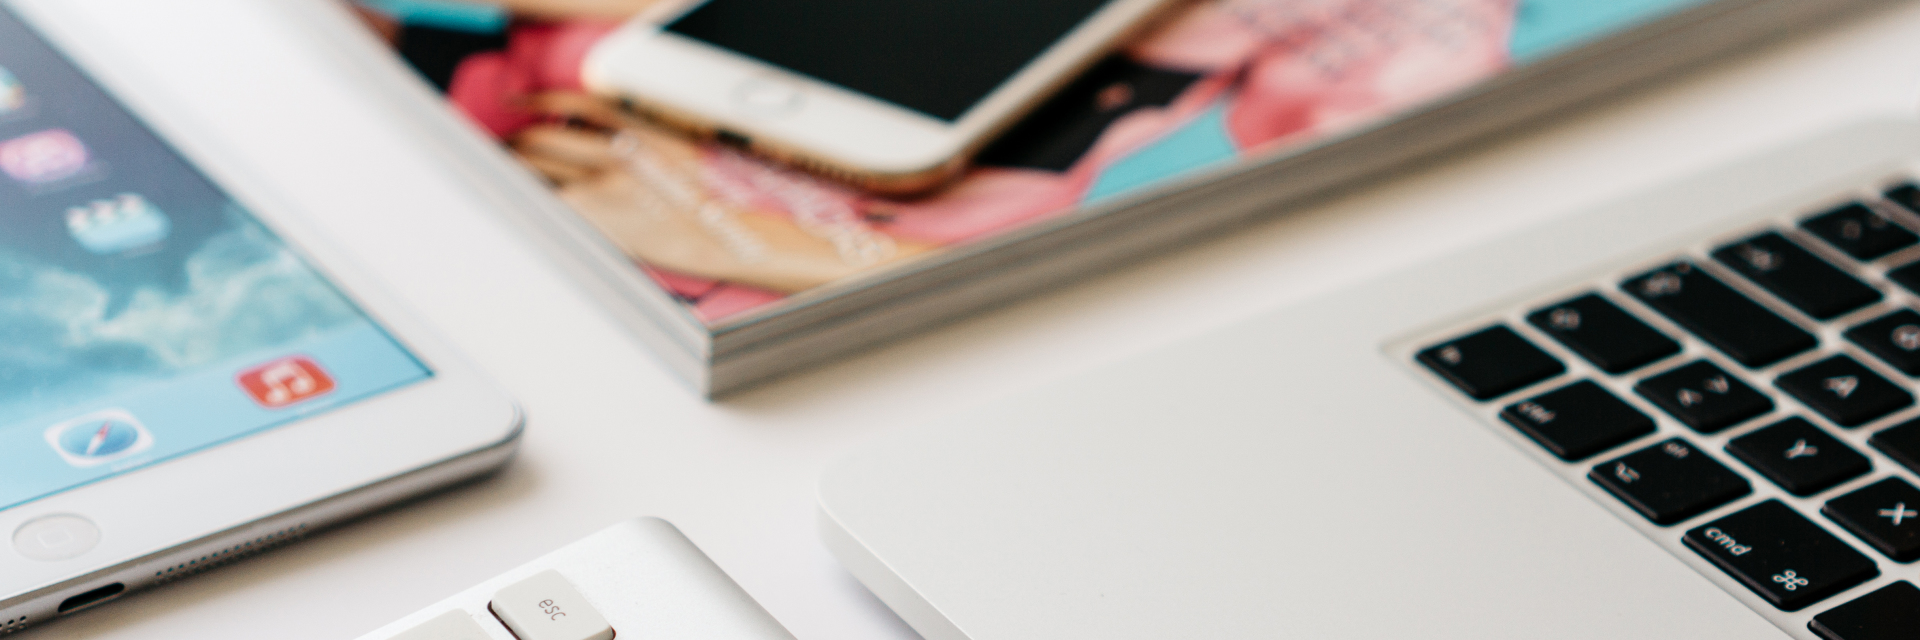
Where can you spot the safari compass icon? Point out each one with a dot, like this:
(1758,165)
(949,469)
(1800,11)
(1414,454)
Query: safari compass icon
(99,438)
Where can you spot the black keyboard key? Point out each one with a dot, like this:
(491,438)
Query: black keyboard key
(1859,231)
(1490,363)
(1907,276)
(1796,275)
(1611,339)
(1886,514)
(1670,482)
(1891,612)
(1704,397)
(1723,317)
(1906,195)
(1845,391)
(1799,457)
(1895,338)
(1578,420)
(1780,555)
(1900,442)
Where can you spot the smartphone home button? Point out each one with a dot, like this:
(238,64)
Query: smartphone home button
(56,537)
(767,96)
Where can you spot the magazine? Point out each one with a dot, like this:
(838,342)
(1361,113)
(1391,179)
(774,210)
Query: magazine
(1217,86)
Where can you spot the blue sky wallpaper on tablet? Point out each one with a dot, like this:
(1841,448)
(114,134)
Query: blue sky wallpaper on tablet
(72,332)
(144,313)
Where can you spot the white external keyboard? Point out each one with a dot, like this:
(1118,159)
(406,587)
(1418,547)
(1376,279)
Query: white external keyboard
(636,579)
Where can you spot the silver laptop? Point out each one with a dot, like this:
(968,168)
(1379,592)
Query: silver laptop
(1690,414)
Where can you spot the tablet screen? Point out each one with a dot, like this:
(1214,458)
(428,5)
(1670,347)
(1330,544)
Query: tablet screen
(144,313)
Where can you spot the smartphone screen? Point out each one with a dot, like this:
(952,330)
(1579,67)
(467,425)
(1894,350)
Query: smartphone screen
(937,57)
(144,313)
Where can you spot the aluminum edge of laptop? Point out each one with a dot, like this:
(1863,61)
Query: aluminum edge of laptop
(1295,475)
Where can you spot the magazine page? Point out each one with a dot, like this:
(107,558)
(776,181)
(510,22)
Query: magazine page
(728,233)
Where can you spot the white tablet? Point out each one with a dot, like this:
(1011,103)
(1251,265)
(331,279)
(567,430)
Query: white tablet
(187,377)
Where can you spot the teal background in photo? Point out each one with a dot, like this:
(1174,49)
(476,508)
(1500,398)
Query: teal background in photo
(1545,27)
(1194,146)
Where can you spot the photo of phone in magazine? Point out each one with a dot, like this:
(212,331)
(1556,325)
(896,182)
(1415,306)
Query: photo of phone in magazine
(1213,86)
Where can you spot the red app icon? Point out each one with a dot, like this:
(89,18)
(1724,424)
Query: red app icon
(41,157)
(285,381)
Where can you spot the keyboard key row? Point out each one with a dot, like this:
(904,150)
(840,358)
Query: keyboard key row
(1700,394)
(1496,361)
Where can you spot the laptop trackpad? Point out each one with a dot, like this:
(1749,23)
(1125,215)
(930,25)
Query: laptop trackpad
(1246,501)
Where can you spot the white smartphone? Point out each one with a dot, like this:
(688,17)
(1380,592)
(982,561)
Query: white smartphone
(186,377)
(890,95)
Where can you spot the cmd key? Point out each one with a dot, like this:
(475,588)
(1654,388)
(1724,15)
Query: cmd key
(1490,363)
(1670,481)
(1611,339)
(1780,555)
(1805,281)
(1891,612)
(1732,323)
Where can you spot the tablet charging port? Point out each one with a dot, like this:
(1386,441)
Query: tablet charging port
(91,598)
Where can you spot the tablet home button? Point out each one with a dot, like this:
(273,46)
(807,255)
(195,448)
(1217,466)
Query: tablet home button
(56,537)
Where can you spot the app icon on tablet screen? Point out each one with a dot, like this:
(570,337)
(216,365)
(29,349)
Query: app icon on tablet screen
(123,224)
(99,437)
(47,156)
(285,381)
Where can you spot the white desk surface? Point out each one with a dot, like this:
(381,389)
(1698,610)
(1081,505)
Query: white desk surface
(612,436)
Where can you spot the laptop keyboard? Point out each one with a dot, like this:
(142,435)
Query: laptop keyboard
(1777,354)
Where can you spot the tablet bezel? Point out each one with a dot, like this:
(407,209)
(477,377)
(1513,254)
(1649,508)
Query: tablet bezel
(166,505)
